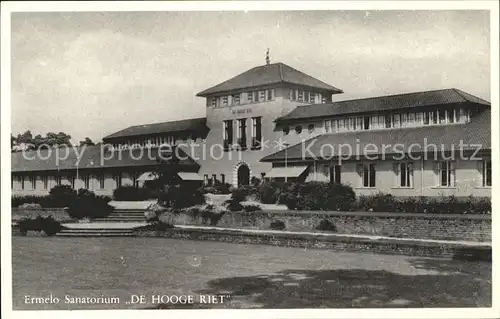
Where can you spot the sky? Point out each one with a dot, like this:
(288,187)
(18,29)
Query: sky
(90,74)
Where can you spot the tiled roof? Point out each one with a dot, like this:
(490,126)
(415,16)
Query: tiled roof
(92,157)
(196,124)
(381,103)
(274,73)
(476,132)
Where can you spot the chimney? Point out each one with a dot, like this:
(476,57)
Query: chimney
(267,57)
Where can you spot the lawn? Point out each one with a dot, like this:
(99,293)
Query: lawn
(254,276)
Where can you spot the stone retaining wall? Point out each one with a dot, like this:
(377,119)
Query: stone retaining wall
(423,226)
(337,243)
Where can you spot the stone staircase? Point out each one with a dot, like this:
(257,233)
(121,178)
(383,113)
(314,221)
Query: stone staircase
(123,216)
(95,232)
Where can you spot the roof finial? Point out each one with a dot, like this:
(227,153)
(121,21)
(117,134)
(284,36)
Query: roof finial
(267,57)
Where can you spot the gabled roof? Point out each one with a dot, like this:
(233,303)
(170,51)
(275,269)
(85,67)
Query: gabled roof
(195,125)
(274,73)
(382,103)
(445,137)
(91,157)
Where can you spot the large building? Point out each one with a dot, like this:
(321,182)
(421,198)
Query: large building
(276,122)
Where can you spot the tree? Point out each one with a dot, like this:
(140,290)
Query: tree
(26,141)
(87,142)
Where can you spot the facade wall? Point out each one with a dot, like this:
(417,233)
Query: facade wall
(227,163)
(468,178)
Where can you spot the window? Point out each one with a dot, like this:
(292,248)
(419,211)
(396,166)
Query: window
(366,124)
(118,180)
(286,130)
(427,116)
(327,126)
(396,120)
(270,94)
(256,132)
(434,116)
(72,179)
(377,122)
(446,173)
(101,179)
(442,116)
(486,173)
(411,119)
(262,96)
(45,182)
(33,181)
(227,134)
(462,115)
(236,99)
(213,101)
(419,118)
(300,96)
(341,125)
(214,178)
(387,121)
(224,100)
(450,112)
(222,178)
(367,172)
(310,128)
(250,97)
(205,179)
(86,181)
(312,97)
(335,174)
(292,95)
(404,174)
(58,179)
(22,182)
(242,133)
(323,98)
(298,129)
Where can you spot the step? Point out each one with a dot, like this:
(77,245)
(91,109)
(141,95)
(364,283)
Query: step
(98,232)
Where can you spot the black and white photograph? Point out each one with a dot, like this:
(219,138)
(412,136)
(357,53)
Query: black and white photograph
(227,155)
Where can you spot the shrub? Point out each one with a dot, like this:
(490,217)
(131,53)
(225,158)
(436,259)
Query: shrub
(278,225)
(252,208)
(43,201)
(62,196)
(326,225)
(131,193)
(222,188)
(269,192)
(181,196)
(158,226)
(234,206)
(46,224)
(379,202)
(88,205)
(255,181)
(209,214)
(317,196)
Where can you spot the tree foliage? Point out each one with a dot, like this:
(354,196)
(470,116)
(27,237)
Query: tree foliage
(26,140)
(87,141)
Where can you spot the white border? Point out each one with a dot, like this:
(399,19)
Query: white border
(8,7)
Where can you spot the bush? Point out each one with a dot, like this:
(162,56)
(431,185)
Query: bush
(234,205)
(43,201)
(252,208)
(46,224)
(269,192)
(222,188)
(88,205)
(278,225)
(326,225)
(62,196)
(181,196)
(317,196)
(379,202)
(131,193)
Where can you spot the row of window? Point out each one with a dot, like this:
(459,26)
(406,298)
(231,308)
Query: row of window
(242,98)
(86,179)
(150,142)
(445,174)
(214,180)
(241,133)
(306,96)
(396,120)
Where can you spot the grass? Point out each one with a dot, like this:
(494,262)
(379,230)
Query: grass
(254,276)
